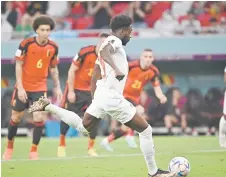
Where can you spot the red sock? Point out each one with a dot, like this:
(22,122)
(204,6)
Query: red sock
(111,137)
(34,148)
(62,140)
(130,132)
(10,144)
(91,143)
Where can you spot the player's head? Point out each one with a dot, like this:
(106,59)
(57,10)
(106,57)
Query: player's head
(43,25)
(121,27)
(146,58)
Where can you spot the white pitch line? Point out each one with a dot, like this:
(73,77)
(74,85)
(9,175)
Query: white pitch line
(113,155)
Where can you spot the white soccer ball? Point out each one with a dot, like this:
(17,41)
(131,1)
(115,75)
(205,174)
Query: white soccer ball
(180,165)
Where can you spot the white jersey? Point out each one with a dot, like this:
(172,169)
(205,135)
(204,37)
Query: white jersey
(109,80)
(225,69)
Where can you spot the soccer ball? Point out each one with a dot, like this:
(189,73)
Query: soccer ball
(180,165)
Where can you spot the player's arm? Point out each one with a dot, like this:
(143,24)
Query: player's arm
(20,57)
(106,54)
(225,75)
(96,76)
(155,81)
(71,79)
(54,72)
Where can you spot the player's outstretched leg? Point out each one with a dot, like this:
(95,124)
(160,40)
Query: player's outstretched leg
(147,146)
(222,132)
(69,117)
(61,152)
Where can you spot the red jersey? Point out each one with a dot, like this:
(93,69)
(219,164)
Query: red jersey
(137,79)
(37,60)
(85,60)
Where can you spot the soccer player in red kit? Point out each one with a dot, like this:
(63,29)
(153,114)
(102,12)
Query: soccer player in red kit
(34,58)
(77,96)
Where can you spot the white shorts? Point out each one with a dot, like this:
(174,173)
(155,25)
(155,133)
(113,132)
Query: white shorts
(106,102)
(224,111)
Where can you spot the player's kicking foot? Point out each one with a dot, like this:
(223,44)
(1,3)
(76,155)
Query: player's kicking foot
(131,142)
(61,151)
(7,154)
(92,152)
(33,156)
(39,105)
(163,173)
(106,145)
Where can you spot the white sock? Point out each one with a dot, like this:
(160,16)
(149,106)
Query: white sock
(222,129)
(147,148)
(68,117)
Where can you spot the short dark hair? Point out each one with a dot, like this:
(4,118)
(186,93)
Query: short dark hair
(120,21)
(148,50)
(43,20)
(104,35)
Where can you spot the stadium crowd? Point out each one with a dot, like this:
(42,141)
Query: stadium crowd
(166,18)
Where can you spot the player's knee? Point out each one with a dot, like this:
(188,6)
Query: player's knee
(147,133)
(38,116)
(16,116)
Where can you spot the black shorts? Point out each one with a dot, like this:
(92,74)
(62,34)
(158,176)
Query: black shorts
(82,102)
(19,106)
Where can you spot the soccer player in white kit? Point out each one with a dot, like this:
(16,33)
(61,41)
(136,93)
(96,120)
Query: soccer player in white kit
(222,126)
(111,69)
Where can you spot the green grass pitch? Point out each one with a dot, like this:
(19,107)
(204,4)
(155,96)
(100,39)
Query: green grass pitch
(204,154)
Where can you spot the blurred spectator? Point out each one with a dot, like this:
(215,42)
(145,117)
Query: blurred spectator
(180,8)
(223,24)
(137,11)
(191,25)
(193,109)
(173,112)
(34,9)
(166,25)
(197,8)
(59,15)
(212,8)
(215,27)
(213,108)
(9,13)
(102,13)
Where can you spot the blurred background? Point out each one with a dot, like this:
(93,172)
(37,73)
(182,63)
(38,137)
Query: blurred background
(188,40)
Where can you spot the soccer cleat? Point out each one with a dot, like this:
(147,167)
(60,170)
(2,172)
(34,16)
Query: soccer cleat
(39,105)
(33,156)
(131,142)
(7,154)
(61,152)
(163,173)
(106,145)
(92,152)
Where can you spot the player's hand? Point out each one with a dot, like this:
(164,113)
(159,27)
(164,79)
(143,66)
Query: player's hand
(59,94)
(71,97)
(163,99)
(119,75)
(22,95)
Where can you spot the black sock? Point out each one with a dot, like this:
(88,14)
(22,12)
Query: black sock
(37,134)
(63,128)
(12,130)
